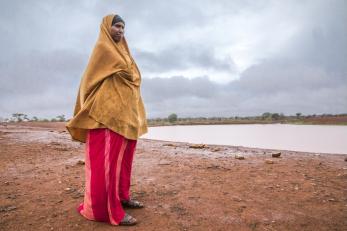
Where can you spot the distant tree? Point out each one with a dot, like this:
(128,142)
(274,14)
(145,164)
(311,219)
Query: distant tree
(25,117)
(35,118)
(266,115)
(172,118)
(61,118)
(18,117)
(298,115)
(282,116)
(275,116)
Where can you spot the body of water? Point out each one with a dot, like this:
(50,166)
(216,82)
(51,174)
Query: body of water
(306,138)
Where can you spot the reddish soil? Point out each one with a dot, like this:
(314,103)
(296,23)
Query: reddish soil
(183,188)
(327,120)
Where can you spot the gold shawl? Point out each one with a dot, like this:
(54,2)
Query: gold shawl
(109,93)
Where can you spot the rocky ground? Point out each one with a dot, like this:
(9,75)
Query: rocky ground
(184,186)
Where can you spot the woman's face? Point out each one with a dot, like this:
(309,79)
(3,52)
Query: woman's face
(117,31)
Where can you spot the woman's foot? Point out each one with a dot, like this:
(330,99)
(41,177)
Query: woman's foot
(134,204)
(128,220)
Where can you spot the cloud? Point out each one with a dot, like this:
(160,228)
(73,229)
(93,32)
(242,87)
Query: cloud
(236,58)
(183,57)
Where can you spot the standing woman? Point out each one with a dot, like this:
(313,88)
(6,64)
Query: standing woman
(109,117)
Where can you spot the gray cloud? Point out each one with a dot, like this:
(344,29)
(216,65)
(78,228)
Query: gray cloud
(289,56)
(180,57)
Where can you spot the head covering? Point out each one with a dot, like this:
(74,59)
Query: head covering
(116,19)
(109,94)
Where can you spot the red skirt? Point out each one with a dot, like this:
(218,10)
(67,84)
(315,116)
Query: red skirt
(108,163)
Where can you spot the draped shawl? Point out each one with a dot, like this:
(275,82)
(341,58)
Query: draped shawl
(109,93)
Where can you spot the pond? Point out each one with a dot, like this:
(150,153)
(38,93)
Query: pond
(306,138)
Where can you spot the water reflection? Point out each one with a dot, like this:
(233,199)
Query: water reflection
(308,138)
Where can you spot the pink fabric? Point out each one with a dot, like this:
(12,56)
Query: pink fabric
(108,164)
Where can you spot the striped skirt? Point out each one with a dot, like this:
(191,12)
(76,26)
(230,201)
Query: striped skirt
(108,162)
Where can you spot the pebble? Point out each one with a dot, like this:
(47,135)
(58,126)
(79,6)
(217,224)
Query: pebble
(80,162)
(7,208)
(216,149)
(164,163)
(239,157)
(169,145)
(11,197)
(276,154)
(198,146)
(269,161)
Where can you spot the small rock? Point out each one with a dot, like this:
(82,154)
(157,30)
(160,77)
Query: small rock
(237,199)
(345,158)
(216,149)
(276,154)
(77,195)
(198,146)
(80,162)
(239,157)
(7,183)
(7,208)
(67,189)
(269,161)
(169,145)
(164,163)
(213,166)
(11,197)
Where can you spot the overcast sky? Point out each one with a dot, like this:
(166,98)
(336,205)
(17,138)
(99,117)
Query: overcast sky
(197,58)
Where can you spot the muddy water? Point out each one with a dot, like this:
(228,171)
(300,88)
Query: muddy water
(307,138)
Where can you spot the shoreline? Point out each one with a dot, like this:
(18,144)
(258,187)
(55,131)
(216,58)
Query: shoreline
(61,127)
(254,149)
(184,186)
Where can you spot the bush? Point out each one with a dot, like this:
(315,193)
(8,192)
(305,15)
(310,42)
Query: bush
(172,118)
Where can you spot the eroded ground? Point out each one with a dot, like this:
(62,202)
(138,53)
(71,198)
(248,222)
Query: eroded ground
(183,188)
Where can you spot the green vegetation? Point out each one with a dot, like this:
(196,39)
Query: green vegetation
(265,118)
(174,119)
(21,117)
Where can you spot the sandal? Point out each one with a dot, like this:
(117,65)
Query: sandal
(128,220)
(134,204)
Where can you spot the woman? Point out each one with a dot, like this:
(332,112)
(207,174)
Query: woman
(109,117)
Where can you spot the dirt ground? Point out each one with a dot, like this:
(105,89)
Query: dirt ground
(184,187)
